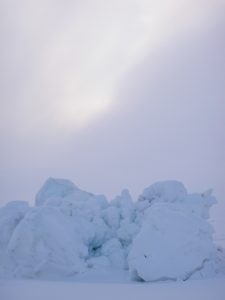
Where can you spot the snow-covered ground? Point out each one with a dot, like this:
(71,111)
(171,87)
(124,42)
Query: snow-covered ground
(208,289)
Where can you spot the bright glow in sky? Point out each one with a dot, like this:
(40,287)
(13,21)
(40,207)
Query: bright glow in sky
(74,53)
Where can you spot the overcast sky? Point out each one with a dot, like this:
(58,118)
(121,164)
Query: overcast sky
(112,94)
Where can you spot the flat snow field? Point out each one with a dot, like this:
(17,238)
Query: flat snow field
(209,289)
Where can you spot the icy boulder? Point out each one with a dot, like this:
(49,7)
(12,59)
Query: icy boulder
(127,226)
(175,240)
(54,190)
(170,246)
(73,201)
(10,216)
(165,191)
(174,194)
(115,253)
(44,244)
(125,205)
(199,204)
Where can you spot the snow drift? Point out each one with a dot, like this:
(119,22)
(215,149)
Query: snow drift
(165,235)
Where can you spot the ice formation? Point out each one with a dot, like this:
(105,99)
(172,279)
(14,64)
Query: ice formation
(165,235)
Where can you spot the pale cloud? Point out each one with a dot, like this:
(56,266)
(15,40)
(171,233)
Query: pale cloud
(69,56)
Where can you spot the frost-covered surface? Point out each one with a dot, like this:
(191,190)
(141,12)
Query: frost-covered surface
(175,240)
(209,289)
(165,235)
(171,245)
(10,217)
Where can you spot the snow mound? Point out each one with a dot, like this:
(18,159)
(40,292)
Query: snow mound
(45,244)
(10,217)
(173,193)
(175,241)
(165,191)
(165,235)
(170,246)
(54,190)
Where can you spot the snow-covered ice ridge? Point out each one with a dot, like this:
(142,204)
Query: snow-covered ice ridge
(165,235)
